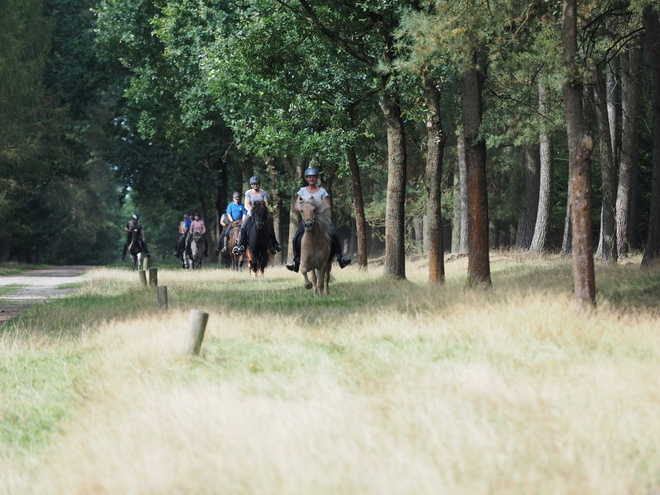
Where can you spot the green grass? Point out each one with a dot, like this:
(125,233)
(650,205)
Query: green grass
(13,268)
(383,387)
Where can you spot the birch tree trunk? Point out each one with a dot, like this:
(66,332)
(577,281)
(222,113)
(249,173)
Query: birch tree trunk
(462,173)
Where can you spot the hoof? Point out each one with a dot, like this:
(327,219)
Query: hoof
(308,285)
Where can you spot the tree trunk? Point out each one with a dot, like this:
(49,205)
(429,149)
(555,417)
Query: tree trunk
(613,96)
(567,239)
(631,61)
(395,261)
(545,179)
(358,202)
(436,146)
(456,217)
(580,149)
(471,104)
(652,36)
(607,248)
(530,208)
(295,169)
(462,173)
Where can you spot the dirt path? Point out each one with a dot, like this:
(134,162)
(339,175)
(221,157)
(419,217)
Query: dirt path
(36,287)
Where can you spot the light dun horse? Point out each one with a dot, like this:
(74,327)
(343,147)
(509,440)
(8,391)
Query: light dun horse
(316,248)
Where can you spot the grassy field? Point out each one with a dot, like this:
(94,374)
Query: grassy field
(384,387)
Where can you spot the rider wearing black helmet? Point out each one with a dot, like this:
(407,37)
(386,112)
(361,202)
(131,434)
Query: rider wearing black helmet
(255,193)
(134,223)
(314,191)
(235,211)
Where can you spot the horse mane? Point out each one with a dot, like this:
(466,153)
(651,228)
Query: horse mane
(259,208)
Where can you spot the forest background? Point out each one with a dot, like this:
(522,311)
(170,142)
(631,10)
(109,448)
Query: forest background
(114,107)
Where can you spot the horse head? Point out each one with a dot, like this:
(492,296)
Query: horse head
(259,213)
(308,211)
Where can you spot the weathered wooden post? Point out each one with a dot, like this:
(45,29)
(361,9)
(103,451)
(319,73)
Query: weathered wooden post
(145,263)
(143,277)
(153,277)
(161,290)
(198,321)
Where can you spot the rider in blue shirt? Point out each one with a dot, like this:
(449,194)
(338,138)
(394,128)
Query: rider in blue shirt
(235,211)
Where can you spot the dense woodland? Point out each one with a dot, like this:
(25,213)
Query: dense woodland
(439,126)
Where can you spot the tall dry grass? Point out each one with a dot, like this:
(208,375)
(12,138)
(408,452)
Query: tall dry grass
(385,387)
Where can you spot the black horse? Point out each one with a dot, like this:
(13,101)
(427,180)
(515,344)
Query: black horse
(258,238)
(136,249)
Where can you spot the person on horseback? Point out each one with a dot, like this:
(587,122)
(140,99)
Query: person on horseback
(255,193)
(134,223)
(314,192)
(184,225)
(235,211)
(197,226)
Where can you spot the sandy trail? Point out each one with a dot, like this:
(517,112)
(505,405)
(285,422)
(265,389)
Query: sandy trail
(36,287)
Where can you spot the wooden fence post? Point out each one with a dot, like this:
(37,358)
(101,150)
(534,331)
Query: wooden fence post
(198,321)
(143,277)
(162,297)
(153,277)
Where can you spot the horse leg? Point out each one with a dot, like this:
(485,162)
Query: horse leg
(328,267)
(308,284)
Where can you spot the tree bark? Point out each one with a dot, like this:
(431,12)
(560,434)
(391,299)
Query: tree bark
(436,146)
(631,62)
(395,262)
(607,244)
(527,220)
(358,203)
(580,148)
(546,176)
(613,96)
(471,104)
(295,169)
(462,173)
(652,38)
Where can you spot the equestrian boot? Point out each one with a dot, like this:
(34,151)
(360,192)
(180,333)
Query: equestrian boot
(294,267)
(240,248)
(275,249)
(343,262)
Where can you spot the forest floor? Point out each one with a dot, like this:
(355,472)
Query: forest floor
(19,292)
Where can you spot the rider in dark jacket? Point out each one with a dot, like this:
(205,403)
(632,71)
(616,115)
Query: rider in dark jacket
(134,223)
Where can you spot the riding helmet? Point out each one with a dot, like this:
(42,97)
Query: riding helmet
(311,171)
(236,195)
(255,180)
(185,215)
(136,216)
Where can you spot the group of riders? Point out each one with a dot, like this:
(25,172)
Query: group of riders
(192,224)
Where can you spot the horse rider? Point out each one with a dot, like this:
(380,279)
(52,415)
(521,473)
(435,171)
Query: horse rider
(314,192)
(184,225)
(197,226)
(132,224)
(235,211)
(255,193)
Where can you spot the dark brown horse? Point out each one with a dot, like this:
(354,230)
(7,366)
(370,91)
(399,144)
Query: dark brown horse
(235,260)
(258,239)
